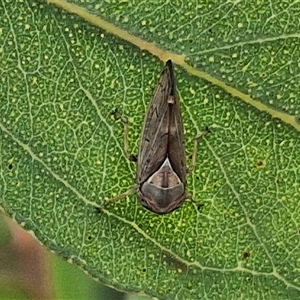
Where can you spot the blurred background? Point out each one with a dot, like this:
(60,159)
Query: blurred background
(29,271)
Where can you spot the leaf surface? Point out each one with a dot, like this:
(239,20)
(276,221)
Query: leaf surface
(65,67)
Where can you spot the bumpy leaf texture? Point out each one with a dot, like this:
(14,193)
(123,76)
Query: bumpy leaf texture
(65,66)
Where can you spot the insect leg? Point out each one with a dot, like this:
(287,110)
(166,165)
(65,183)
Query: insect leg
(196,140)
(129,192)
(198,205)
(123,119)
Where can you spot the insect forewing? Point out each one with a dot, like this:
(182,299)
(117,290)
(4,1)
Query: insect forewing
(176,147)
(162,130)
(161,165)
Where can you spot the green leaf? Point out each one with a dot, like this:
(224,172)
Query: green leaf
(65,68)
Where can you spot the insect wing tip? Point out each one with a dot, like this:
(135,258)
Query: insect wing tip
(169,66)
(169,72)
(169,63)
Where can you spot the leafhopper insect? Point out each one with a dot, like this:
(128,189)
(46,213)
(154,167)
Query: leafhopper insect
(161,163)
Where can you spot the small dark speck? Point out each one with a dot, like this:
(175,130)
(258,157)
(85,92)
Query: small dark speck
(133,158)
(246,254)
(10,167)
(144,270)
(199,206)
(260,164)
(115,111)
(98,210)
(89,237)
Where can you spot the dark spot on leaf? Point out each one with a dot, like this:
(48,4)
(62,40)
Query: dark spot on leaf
(10,167)
(246,254)
(200,205)
(115,112)
(260,164)
(144,270)
(98,210)
(174,262)
(207,129)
